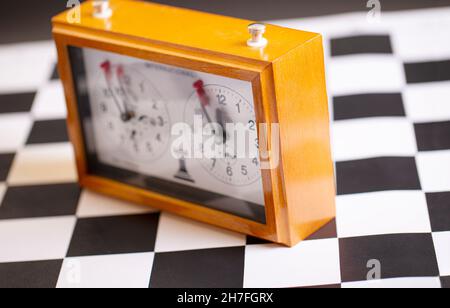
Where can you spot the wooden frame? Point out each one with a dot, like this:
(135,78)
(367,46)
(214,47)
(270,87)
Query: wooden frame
(282,222)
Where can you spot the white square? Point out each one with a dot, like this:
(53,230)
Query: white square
(390,212)
(434,170)
(365,138)
(427,102)
(50,102)
(177,234)
(43,164)
(35,239)
(14,131)
(365,74)
(442,246)
(112,271)
(310,263)
(396,283)
(92,204)
(421,38)
(25,67)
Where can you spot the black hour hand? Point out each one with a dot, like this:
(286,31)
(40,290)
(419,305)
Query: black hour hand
(222,119)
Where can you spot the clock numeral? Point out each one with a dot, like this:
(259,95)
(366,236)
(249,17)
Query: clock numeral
(230,171)
(214,162)
(238,106)
(107,93)
(103,107)
(149,147)
(244,170)
(120,91)
(255,161)
(251,125)
(222,99)
(161,121)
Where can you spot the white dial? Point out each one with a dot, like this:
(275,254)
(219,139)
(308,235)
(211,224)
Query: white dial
(222,105)
(131,113)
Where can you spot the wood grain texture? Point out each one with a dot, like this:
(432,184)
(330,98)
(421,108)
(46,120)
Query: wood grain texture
(305,139)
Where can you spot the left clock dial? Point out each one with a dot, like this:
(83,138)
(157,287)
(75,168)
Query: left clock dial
(132,115)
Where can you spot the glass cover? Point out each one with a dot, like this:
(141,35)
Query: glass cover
(170,130)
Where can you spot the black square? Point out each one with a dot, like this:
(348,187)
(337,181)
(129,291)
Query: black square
(208,268)
(5,164)
(18,102)
(48,132)
(433,71)
(114,235)
(368,105)
(326,232)
(400,255)
(41,274)
(361,44)
(439,209)
(433,136)
(40,201)
(377,174)
(445,282)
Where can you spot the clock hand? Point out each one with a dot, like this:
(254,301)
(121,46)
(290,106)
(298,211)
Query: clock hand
(223,119)
(203,98)
(120,75)
(204,101)
(106,67)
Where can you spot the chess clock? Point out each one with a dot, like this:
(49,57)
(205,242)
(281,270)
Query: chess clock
(213,118)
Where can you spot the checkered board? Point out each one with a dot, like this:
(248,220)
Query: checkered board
(389,88)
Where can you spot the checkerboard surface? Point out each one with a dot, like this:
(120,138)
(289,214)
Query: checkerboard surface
(389,85)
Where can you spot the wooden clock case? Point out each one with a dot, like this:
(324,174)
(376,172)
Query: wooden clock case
(289,88)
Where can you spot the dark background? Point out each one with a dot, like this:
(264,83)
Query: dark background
(27,20)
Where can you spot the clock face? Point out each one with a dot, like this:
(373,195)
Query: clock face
(178,132)
(131,114)
(227,106)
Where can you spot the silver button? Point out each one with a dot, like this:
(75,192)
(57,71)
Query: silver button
(102,9)
(257,31)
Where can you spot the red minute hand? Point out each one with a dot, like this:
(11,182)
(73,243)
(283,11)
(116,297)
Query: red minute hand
(203,97)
